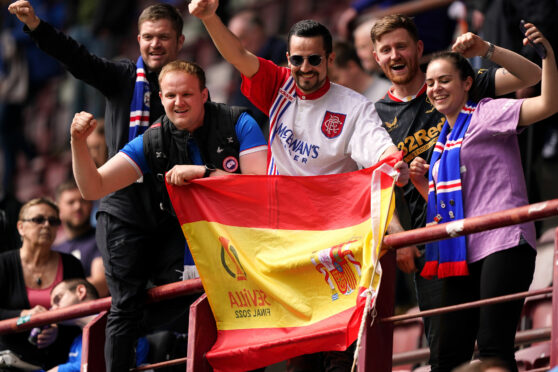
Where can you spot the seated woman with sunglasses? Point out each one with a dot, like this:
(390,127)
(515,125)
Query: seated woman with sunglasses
(476,169)
(26,277)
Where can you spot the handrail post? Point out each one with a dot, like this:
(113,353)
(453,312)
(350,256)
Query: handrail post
(377,353)
(554,332)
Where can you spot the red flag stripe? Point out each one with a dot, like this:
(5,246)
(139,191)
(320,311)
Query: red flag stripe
(278,344)
(254,206)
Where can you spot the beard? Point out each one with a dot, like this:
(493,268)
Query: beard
(412,70)
(307,83)
(79,226)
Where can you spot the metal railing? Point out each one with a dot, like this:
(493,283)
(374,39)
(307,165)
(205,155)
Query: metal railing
(426,234)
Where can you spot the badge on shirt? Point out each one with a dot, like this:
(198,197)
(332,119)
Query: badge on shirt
(332,126)
(230,164)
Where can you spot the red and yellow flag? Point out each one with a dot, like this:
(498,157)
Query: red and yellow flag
(286,262)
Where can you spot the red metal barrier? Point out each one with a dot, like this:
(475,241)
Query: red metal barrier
(93,340)
(554,333)
(156,294)
(426,234)
(470,225)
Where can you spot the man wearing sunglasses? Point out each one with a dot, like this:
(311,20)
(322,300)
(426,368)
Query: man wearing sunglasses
(316,127)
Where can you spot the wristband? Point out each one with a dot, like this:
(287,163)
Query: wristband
(490,51)
(208,169)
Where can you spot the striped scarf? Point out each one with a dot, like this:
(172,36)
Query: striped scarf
(445,204)
(139,108)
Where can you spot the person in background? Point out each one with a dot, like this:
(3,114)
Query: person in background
(97,145)
(249,28)
(435,26)
(347,70)
(365,48)
(77,291)
(27,276)
(478,152)
(79,235)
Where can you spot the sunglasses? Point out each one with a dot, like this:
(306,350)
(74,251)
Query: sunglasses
(314,60)
(40,220)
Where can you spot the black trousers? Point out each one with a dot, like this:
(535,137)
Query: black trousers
(452,336)
(134,257)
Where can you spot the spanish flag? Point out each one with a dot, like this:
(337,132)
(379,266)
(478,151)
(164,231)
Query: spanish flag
(286,262)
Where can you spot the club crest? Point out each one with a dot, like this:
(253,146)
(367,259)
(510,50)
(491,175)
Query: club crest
(332,125)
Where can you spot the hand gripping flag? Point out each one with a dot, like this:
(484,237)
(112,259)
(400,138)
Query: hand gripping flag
(286,262)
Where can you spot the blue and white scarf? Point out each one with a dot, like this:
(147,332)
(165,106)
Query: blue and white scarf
(139,108)
(445,203)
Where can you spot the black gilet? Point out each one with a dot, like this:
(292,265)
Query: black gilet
(165,146)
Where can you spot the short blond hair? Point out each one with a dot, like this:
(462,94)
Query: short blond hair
(37,201)
(187,67)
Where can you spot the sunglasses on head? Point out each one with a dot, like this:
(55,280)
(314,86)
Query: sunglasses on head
(314,60)
(40,219)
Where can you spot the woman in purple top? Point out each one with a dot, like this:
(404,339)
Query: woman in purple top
(476,169)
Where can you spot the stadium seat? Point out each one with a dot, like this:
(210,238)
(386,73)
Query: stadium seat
(407,336)
(532,357)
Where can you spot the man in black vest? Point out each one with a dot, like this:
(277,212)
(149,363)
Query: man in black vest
(195,138)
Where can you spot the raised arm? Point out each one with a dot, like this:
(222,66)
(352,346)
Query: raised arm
(25,13)
(95,183)
(516,72)
(225,41)
(535,109)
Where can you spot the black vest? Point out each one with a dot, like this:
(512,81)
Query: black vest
(165,146)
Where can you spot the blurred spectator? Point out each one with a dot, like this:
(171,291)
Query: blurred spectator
(97,144)
(364,46)
(487,365)
(100,25)
(27,276)
(79,235)
(250,30)
(31,75)
(498,22)
(14,85)
(346,70)
(435,27)
(9,237)
(76,291)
